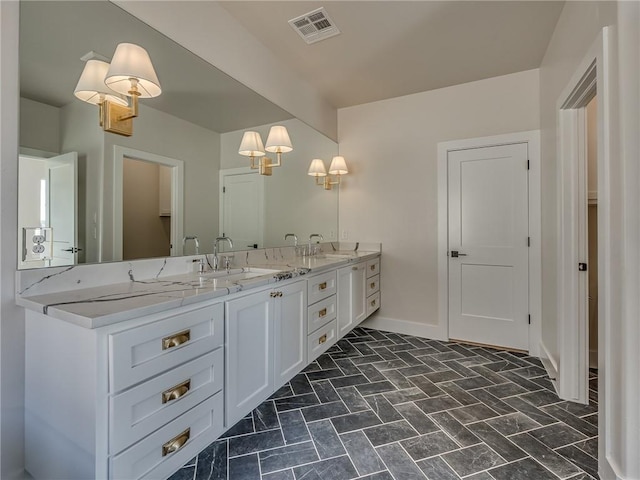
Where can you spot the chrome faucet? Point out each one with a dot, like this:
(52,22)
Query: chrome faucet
(295,238)
(195,241)
(215,250)
(316,235)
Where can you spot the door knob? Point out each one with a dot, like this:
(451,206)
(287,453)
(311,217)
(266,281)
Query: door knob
(456,254)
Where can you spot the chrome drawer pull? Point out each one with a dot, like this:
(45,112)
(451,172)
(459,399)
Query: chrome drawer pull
(322,286)
(176,443)
(322,339)
(176,392)
(322,312)
(176,339)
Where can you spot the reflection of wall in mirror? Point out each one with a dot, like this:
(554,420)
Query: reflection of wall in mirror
(33,172)
(293,203)
(154,132)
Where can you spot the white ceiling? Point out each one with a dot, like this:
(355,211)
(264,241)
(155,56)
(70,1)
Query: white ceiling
(393,48)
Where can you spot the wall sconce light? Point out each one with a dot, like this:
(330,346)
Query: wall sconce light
(130,74)
(337,168)
(278,142)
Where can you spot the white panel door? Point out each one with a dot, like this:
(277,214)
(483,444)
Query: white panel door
(488,246)
(63,208)
(242,210)
(352,306)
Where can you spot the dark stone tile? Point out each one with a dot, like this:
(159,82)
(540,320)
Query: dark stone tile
(489,374)
(437,469)
(385,475)
(311,367)
(494,403)
(415,370)
(352,399)
(427,386)
(508,356)
(366,359)
(399,463)
(364,349)
(385,353)
(324,374)
(447,356)
(523,382)
(242,427)
(417,418)
(543,454)
(376,334)
(372,373)
(500,366)
(325,391)
(294,428)
(212,462)
(473,382)
(265,417)
(480,476)
(501,445)
(472,413)
(530,371)
(244,468)
(405,395)
(325,439)
(300,384)
(338,467)
(349,380)
(534,413)
(434,364)
(376,387)
(287,457)
(487,353)
(505,390)
(255,442)
(557,435)
(460,369)
(461,349)
(514,423)
(409,359)
(589,446)
(363,455)
(459,394)
(472,459)
(326,362)
(381,406)
(525,469)
(324,410)
(355,421)
(437,404)
(592,419)
(299,401)
(281,475)
(540,398)
(185,473)
(398,380)
(429,445)
(442,376)
(534,361)
(455,429)
(544,382)
(389,364)
(583,460)
(389,432)
(570,419)
(400,347)
(578,409)
(347,366)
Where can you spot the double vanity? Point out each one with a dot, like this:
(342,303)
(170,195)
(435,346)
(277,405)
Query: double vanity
(133,378)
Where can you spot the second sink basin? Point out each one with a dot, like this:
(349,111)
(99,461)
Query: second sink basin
(223,279)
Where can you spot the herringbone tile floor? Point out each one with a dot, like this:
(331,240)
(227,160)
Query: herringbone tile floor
(383,406)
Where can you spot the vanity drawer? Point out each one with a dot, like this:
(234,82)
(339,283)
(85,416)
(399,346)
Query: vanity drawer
(320,313)
(144,408)
(373,303)
(373,285)
(373,267)
(150,458)
(320,341)
(321,286)
(142,352)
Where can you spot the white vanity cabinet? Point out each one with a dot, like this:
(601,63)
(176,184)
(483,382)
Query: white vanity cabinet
(266,339)
(321,314)
(352,296)
(136,399)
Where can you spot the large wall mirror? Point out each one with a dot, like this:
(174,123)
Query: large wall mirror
(88,196)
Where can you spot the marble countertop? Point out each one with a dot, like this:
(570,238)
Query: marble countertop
(99,306)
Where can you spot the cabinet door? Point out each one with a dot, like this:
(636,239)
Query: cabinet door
(249,354)
(290,331)
(351,297)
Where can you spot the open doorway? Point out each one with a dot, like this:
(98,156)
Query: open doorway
(592,228)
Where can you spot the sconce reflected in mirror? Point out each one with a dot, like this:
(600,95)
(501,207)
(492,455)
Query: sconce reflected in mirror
(337,168)
(130,74)
(278,142)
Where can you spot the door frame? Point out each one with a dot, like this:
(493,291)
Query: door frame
(227,172)
(532,139)
(177,197)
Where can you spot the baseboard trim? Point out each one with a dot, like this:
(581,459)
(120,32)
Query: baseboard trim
(550,365)
(608,470)
(405,327)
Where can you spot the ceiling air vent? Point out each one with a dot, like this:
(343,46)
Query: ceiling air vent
(314,26)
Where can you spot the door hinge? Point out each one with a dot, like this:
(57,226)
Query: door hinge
(528,165)
(224,189)
(528,241)
(529,319)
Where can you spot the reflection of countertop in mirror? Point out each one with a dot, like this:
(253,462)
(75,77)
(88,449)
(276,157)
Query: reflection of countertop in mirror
(100,305)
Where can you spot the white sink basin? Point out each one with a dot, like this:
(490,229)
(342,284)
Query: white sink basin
(223,279)
(341,255)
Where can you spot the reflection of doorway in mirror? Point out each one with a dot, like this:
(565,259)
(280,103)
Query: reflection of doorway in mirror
(242,207)
(146,210)
(47,197)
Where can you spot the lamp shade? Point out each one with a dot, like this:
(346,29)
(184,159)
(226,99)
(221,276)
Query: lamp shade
(132,61)
(278,140)
(91,87)
(316,169)
(251,145)
(338,166)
